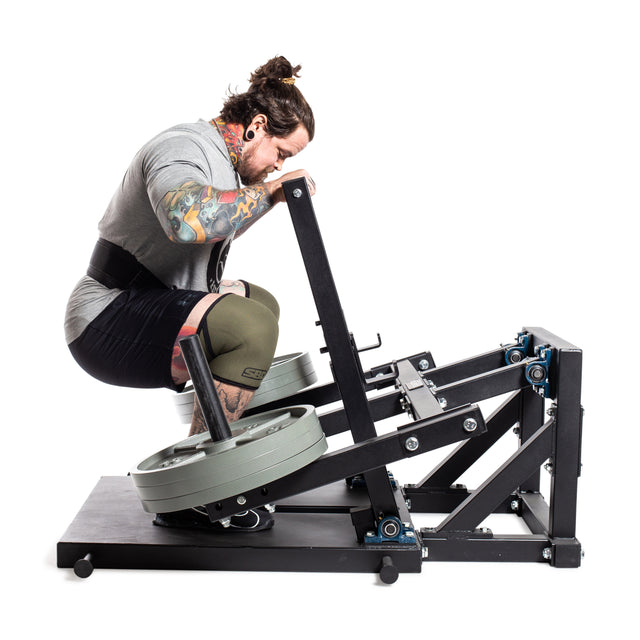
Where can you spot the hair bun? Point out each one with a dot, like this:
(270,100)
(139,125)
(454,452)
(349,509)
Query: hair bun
(277,69)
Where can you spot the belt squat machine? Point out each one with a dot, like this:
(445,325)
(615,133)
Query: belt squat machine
(343,511)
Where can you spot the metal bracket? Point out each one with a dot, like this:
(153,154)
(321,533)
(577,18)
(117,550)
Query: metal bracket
(371,346)
(518,351)
(537,371)
(391,530)
(358,482)
(355,347)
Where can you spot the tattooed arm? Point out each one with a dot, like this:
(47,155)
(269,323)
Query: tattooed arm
(195,213)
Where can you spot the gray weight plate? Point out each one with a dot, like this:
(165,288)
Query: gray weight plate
(287,375)
(197,471)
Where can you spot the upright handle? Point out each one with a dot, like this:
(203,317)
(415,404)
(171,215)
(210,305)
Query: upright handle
(205,389)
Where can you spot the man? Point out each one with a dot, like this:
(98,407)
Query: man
(155,274)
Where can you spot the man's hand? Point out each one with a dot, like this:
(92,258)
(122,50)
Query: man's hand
(274,187)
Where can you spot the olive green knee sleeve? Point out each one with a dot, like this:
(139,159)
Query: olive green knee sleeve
(254,292)
(239,336)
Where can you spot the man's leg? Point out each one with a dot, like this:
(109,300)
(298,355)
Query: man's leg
(234,401)
(239,338)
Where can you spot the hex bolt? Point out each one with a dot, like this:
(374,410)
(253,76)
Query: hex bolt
(514,505)
(442,402)
(423,364)
(411,444)
(370,534)
(470,425)
(270,508)
(225,522)
(297,193)
(241,500)
(546,553)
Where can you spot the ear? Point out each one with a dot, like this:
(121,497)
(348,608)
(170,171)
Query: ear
(259,122)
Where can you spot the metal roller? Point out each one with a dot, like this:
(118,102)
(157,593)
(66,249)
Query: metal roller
(287,375)
(198,471)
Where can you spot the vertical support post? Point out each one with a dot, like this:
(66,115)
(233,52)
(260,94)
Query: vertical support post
(567,444)
(531,419)
(336,333)
(204,387)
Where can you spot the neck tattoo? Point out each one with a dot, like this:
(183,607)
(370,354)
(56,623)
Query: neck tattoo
(233,137)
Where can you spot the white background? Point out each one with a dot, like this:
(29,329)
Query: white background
(477,168)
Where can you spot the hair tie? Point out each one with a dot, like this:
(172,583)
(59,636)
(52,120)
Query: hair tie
(289,80)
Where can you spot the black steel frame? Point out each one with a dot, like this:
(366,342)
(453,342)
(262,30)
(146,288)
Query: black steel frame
(544,411)
(425,391)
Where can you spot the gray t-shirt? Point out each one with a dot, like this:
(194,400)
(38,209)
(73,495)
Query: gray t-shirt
(188,152)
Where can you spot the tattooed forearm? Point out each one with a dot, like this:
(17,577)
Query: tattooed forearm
(195,213)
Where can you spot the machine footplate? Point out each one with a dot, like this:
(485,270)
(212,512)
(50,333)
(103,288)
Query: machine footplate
(116,533)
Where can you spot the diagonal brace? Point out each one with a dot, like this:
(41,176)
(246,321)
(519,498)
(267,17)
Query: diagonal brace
(520,467)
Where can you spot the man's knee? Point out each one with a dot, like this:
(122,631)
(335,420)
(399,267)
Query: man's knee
(254,292)
(239,336)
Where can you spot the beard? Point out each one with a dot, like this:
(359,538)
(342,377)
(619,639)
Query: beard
(247,174)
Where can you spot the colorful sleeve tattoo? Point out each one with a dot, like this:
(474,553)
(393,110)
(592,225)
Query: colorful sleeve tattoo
(193,213)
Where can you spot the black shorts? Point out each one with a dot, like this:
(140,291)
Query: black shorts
(130,344)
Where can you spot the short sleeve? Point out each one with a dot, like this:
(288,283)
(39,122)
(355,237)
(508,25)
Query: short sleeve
(171,162)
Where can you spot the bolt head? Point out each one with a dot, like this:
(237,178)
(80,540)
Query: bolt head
(470,425)
(514,505)
(411,444)
(297,193)
(442,402)
(241,500)
(546,553)
(423,365)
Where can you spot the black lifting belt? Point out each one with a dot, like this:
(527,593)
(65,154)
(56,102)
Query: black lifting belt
(116,268)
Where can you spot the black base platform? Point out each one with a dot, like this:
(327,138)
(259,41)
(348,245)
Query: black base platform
(312,532)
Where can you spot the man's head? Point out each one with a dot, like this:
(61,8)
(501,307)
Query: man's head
(263,153)
(277,120)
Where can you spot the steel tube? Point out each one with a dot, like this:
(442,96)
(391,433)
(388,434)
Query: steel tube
(205,389)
